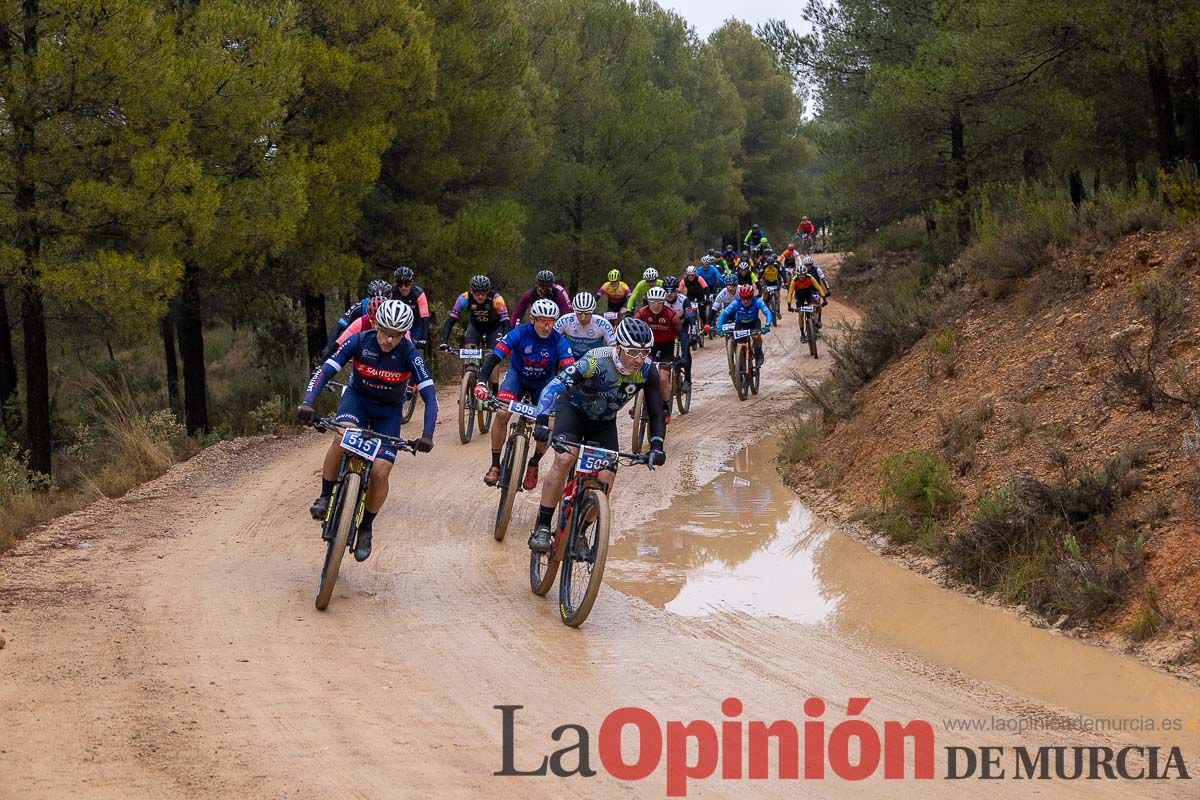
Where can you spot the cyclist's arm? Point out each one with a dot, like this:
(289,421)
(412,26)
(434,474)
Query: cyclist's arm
(564,302)
(610,335)
(640,289)
(764,309)
(460,305)
(523,304)
(343,322)
(330,367)
(422,306)
(726,315)
(565,382)
(502,312)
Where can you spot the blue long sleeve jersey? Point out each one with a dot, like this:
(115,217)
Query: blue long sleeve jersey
(737,311)
(378,375)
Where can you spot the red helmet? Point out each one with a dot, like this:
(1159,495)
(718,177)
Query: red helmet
(745,290)
(373,306)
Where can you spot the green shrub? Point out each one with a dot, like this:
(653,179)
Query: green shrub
(916,482)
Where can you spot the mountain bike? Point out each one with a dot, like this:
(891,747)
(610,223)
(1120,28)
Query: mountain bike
(348,501)
(512,462)
(806,243)
(468,407)
(772,293)
(808,327)
(581,538)
(745,372)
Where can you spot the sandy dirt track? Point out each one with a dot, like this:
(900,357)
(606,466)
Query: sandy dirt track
(165,644)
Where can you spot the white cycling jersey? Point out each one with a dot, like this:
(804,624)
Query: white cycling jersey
(725,297)
(597,333)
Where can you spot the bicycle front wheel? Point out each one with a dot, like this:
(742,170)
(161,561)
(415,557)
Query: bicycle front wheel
(466,407)
(742,379)
(683,400)
(583,563)
(512,466)
(342,522)
(543,566)
(410,403)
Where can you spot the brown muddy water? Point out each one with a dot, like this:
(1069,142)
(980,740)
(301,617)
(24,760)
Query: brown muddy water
(747,544)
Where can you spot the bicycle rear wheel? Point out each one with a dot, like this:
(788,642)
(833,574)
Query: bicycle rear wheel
(466,407)
(512,466)
(581,579)
(742,380)
(343,520)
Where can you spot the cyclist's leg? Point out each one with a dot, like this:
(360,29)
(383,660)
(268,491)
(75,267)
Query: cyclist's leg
(604,434)
(351,410)
(510,389)
(383,418)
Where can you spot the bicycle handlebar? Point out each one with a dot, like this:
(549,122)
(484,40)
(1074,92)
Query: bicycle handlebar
(325,424)
(563,445)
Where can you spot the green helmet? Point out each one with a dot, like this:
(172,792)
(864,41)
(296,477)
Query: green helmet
(614,275)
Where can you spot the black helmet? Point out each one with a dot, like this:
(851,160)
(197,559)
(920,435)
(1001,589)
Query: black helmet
(545,278)
(402,275)
(670,283)
(481,283)
(378,288)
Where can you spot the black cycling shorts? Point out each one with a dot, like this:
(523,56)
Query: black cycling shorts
(481,336)
(664,351)
(570,423)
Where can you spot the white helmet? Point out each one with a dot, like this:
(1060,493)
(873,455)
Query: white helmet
(544,308)
(633,332)
(691,270)
(395,316)
(657,294)
(651,274)
(584,303)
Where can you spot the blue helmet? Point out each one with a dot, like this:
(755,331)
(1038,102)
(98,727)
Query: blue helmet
(729,280)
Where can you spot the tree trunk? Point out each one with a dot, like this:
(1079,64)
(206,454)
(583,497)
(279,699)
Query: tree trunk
(1164,109)
(314,325)
(191,351)
(1076,185)
(1189,102)
(166,327)
(33,316)
(8,365)
(962,185)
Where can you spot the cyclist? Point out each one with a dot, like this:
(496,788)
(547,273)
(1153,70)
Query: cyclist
(667,327)
(696,289)
(544,288)
(407,292)
(815,269)
(376,288)
(685,309)
(725,297)
(537,353)
(616,291)
(807,232)
(789,259)
(744,274)
(755,235)
(770,276)
(649,278)
(728,257)
(487,315)
(744,315)
(583,328)
(585,399)
(382,360)
(805,288)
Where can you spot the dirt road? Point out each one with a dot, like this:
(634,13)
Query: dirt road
(166,645)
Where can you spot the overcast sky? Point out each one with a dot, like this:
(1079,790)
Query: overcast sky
(707,15)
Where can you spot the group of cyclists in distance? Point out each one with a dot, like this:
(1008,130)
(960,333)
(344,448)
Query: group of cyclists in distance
(578,360)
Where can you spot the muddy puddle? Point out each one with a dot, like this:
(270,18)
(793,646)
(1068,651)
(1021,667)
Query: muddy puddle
(746,544)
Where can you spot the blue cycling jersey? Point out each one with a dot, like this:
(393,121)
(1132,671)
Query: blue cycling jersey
(534,359)
(377,375)
(712,276)
(739,311)
(595,386)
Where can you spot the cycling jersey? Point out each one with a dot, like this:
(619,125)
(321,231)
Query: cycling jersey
(770,273)
(378,376)
(354,312)
(617,294)
(419,303)
(680,305)
(741,312)
(558,294)
(665,323)
(725,297)
(595,386)
(802,285)
(639,292)
(694,286)
(597,333)
(745,277)
(712,276)
(533,362)
(483,317)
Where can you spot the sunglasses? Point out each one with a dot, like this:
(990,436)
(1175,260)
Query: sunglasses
(635,352)
(403,284)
